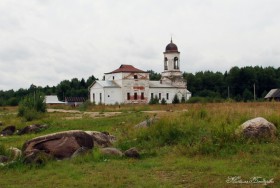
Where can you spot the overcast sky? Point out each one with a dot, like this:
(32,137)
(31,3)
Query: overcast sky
(43,42)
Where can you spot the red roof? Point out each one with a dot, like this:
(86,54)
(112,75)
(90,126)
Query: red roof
(127,68)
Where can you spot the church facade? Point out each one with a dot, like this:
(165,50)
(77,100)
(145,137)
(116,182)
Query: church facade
(130,85)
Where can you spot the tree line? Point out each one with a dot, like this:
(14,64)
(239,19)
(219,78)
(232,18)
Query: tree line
(66,88)
(239,84)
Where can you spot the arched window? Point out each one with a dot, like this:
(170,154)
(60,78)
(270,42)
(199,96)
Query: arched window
(165,63)
(176,63)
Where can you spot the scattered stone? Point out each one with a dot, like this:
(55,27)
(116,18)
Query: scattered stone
(257,128)
(80,151)
(132,153)
(102,139)
(59,145)
(111,151)
(16,153)
(4,159)
(148,122)
(7,131)
(37,157)
(32,129)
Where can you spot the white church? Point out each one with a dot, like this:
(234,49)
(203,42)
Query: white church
(129,85)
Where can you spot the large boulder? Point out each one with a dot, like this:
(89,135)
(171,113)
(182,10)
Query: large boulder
(111,151)
(32,129)
(59,145)
(8,130)
(102,139)
(257,128)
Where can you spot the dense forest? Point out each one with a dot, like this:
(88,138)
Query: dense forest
(238,84)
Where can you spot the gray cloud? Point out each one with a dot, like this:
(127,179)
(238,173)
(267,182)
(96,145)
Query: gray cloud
(46,41)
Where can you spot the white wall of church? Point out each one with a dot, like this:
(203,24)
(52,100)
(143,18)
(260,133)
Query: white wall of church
(135,87)
(112,96)
(135,90)
(106,95)
(166,93)
(97,95)
(113,76)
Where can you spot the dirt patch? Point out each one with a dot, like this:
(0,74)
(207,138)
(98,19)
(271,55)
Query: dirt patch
(79,115)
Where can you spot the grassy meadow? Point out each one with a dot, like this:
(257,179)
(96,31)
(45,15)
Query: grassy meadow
(190,145)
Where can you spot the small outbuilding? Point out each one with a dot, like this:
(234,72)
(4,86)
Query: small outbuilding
(74,101)
(52,100)
(273,94)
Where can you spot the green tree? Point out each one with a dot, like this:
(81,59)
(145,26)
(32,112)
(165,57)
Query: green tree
(154,75)
(154,100)
(247,95)
(176,99)
(31,106)
(163,101)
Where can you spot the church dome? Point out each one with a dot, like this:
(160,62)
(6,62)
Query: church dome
(171,47)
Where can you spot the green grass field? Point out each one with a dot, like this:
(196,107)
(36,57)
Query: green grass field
(191,145)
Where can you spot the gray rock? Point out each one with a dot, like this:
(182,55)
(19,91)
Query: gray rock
(80,151)
(146,123)
(102,139)
(32,129)
(9,130)
(132,153)
(111,151)
(15,152)
(59,145)
(257,128)
(37,157)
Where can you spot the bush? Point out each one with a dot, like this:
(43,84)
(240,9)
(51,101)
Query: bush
(175,99)
(84,106)
(205,100)
(163,101)
(183,100)
(154,100)
(31,107)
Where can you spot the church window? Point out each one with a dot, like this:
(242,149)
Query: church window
(128,96)
(100,97)
(93,97)
(142,96)
(135,77)
(165,63)
(159,96)
(167,96)
(152,95)
(113,77)
(176,63)
(135,96)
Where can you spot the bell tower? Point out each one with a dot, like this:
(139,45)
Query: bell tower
(172,74)
(171,57)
